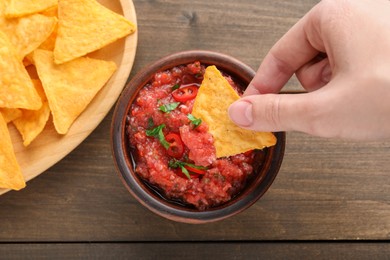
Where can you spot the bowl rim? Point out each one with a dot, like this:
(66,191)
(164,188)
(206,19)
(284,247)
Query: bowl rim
(122,161)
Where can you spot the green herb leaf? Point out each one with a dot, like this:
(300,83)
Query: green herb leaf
(195,166)
(185,172)
(150,123)
(173,164)
(198,75)
(158,133)
(195,121)
(180,164)
(176,86)
(154,131)
(169,107)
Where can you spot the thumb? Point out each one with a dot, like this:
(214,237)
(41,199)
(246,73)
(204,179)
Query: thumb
(276,112)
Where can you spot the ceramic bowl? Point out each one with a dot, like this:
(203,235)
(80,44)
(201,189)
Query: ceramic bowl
(267,162)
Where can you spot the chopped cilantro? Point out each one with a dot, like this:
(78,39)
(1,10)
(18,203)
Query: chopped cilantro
(195,121)
(157,132)
(150,123)
(180,164)
(169,107)
(176,86)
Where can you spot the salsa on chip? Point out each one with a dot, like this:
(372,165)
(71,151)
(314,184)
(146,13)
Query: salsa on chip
(176,143)
(34,37)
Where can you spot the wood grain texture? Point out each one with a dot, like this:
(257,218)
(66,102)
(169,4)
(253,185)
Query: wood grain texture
(326,189)
(246,29)
(207,250)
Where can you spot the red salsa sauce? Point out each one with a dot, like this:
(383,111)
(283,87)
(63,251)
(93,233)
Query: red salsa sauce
(173,150)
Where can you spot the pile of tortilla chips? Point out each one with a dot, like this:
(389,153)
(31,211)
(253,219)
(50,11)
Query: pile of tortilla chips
(44,68)
(214,97)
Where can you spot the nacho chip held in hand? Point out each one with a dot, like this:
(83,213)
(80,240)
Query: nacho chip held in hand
(10,173)
(212,102)
(85,26)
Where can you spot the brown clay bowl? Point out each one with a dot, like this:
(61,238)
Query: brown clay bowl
(266,167)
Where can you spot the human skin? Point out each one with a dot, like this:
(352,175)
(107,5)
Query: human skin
(340,53)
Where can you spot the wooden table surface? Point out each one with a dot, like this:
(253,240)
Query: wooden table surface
(331,198)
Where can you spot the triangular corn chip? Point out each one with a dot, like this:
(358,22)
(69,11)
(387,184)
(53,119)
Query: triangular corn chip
(16,87)
(53,11)
(214,97)
(29,32)
(11,176)
(32,122)
(3,20)
(17,8)
(71,86)
(10,114)
(49,43)
(85,26)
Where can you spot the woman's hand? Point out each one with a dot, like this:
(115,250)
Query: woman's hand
(340,52)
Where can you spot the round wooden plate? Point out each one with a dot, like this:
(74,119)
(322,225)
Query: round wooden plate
(49,147)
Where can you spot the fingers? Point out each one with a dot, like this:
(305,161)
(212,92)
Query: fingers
(315,74)
(296,48)
(267,112)
(282,112)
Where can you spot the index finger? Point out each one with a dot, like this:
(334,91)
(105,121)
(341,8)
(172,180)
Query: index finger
(297,47)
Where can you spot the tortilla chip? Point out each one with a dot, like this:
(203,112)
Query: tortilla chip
(29,32)
(85,26)
(32,122)
(50,42)
(17,8)
(16,87)
(71,86)
(10,114)
(53,11)
(211,105)
(3,19)
(11,176)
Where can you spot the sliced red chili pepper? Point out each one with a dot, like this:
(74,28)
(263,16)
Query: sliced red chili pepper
(176,147)
(195,170)
(181,174)
(185,93)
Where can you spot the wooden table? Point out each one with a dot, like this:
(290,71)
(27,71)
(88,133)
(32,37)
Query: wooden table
(331,198)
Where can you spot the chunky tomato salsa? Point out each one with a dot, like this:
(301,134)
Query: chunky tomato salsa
(173,150)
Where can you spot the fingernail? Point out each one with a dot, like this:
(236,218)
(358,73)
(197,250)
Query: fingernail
(240,113)
(326,73)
